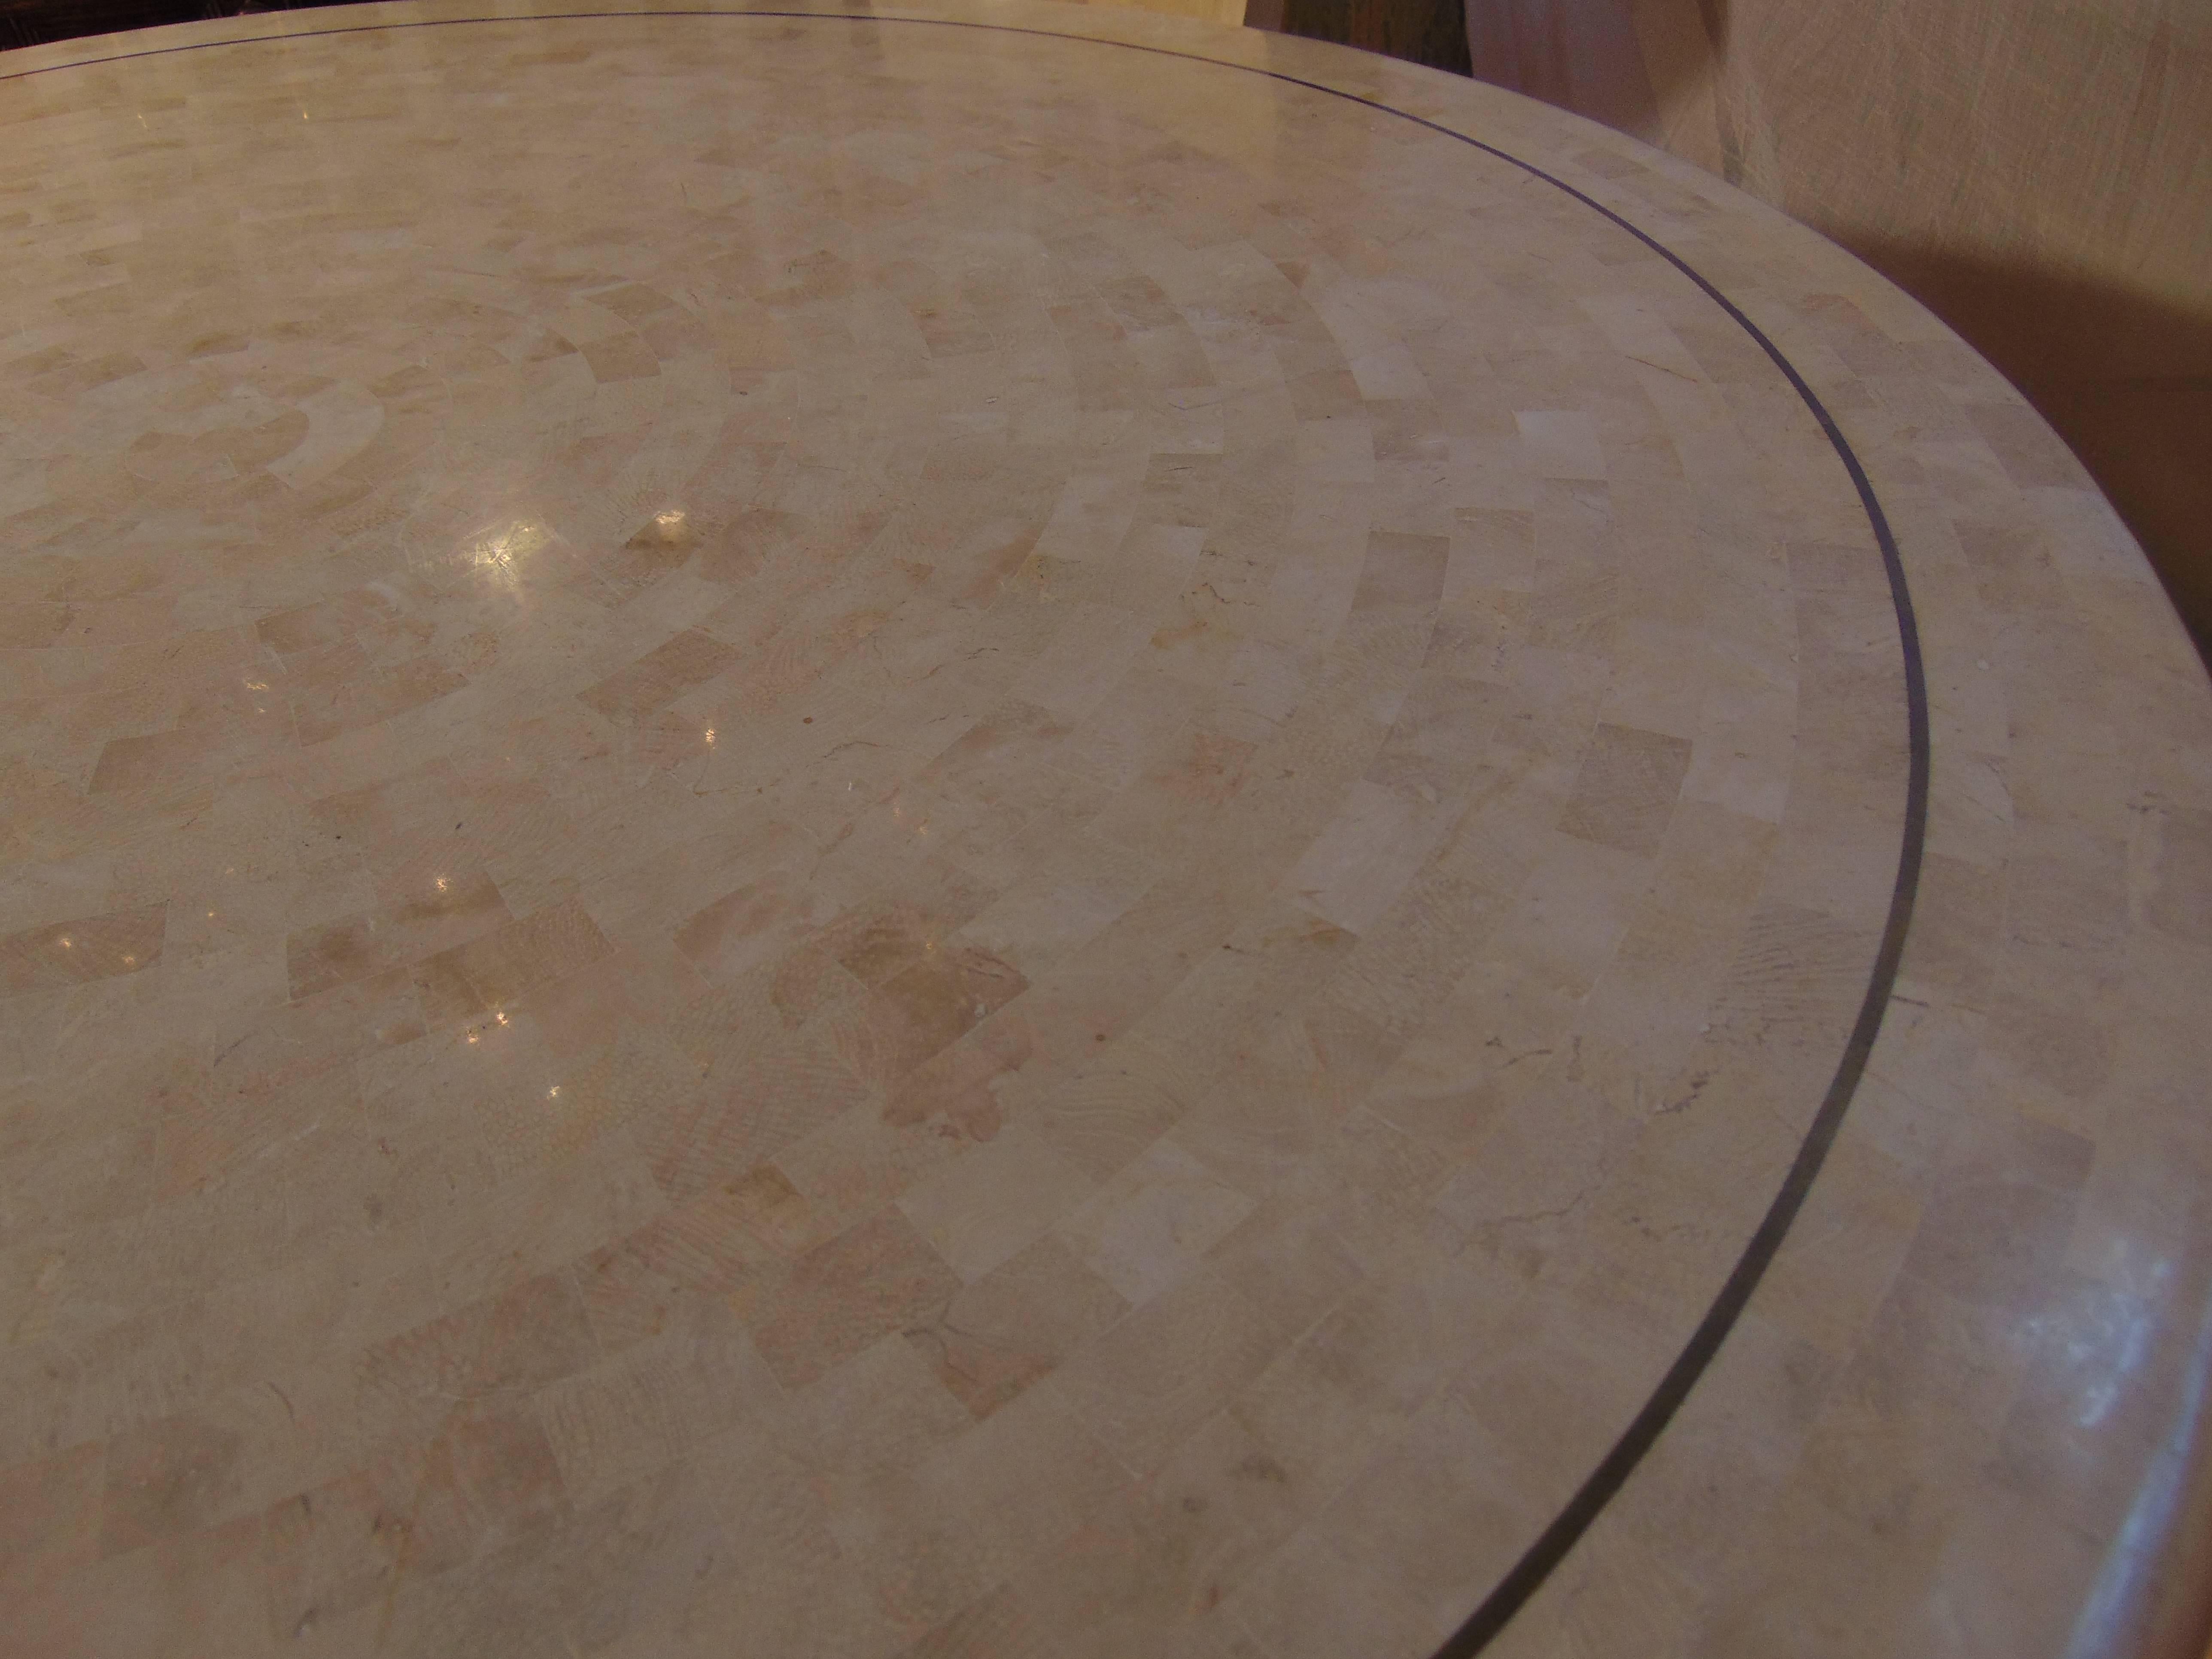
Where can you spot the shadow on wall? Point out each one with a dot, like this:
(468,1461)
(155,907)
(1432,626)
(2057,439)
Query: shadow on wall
(1431,32)
(2037,175)
(2126,379)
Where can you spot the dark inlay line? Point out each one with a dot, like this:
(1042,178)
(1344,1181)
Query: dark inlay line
(1552,1546)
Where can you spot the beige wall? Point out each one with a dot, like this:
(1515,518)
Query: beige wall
(2039,171)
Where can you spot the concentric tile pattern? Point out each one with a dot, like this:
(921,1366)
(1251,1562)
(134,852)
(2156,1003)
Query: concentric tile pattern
(837,837)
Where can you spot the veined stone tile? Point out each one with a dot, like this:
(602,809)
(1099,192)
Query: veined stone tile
(838,836)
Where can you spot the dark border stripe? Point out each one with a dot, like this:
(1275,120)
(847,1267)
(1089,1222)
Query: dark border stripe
(1536,1563)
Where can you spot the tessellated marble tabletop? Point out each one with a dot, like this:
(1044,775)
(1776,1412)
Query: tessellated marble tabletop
(1016,831)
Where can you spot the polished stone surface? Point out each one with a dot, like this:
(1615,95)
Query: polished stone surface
(848,837)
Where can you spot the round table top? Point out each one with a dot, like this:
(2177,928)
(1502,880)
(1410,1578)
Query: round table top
(1023,830)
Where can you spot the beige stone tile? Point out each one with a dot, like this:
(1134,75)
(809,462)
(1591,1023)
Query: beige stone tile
(208,1583)
(75,952)
(1153,1221)
(533,1335)
(653,1403)
(2179,898)
(454,911)
(878,1276)
(1038,849)
(506,965)
(992,1202)
(56,1511)
(1626,792)
(1016,1324)
(1172,1365)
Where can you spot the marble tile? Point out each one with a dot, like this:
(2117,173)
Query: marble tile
(1156,1219)
(878,1278)
(76,952)
(1004,847)
(1626,792)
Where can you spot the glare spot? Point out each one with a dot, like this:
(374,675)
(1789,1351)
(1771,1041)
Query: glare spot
(501,552)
